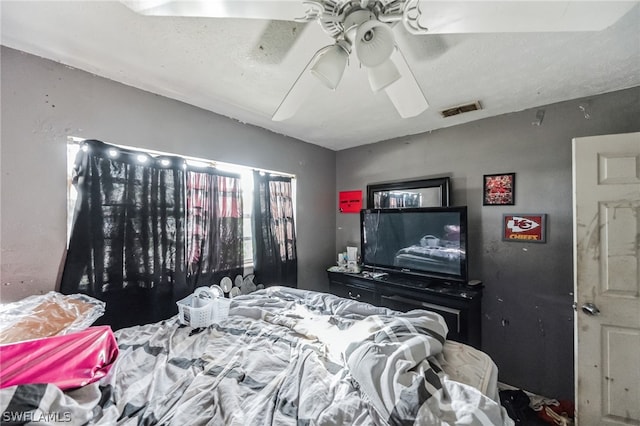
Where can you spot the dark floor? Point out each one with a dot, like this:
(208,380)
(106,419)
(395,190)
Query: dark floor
(520,407)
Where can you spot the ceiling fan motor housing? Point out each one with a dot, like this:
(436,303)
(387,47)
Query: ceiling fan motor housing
(341,18)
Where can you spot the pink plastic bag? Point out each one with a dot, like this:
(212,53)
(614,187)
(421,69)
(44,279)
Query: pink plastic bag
(68,361)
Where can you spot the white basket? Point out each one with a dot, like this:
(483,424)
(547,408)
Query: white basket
(202,308)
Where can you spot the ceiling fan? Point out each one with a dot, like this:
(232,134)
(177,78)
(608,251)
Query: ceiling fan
(366,27)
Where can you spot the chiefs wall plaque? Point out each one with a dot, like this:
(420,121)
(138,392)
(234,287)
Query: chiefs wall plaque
(528,228)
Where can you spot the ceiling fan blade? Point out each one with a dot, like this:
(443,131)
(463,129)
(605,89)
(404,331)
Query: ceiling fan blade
(405,93)
(289,10)
(298,92)
(445,17)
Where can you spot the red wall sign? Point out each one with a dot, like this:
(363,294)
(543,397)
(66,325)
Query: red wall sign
(350,201)
(528,228)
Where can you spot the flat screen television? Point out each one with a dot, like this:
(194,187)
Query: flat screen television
(427,242)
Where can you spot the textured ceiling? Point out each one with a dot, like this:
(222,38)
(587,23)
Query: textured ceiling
(242,68)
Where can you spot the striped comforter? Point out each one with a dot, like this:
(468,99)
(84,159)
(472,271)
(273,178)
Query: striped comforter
(282,357)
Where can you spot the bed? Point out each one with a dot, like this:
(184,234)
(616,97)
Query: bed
(282,357)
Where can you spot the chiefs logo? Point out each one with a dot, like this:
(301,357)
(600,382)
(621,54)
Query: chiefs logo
(529,228)
(521,224)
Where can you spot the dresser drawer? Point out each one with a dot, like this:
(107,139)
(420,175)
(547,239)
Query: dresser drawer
(354,292)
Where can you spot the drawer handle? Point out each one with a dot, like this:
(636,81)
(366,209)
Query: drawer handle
(356,297)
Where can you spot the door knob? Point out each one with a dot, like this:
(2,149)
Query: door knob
(590,309)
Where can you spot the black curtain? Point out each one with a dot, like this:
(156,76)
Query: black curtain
(275,259)
(214,226)
(127,244)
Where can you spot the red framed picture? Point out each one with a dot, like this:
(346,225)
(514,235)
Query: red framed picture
(499,190)
(350,201)
(526,228)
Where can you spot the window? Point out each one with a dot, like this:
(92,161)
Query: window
(246,182)
(148,228)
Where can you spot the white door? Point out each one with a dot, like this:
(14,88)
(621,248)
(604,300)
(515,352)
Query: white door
(606,180)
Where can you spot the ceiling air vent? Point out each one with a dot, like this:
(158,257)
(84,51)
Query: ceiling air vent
(449,112)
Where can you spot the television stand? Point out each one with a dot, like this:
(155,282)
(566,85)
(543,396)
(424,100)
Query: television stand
(458,304)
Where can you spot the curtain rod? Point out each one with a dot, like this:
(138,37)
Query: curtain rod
(200,161)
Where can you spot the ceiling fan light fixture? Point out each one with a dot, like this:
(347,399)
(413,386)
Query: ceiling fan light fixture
(330,65)
(383,75)
(374,43)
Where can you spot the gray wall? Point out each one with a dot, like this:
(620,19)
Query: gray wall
(527,324)
(43,102)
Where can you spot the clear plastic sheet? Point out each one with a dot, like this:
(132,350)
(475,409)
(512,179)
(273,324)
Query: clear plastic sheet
(68,361)
(46,315)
